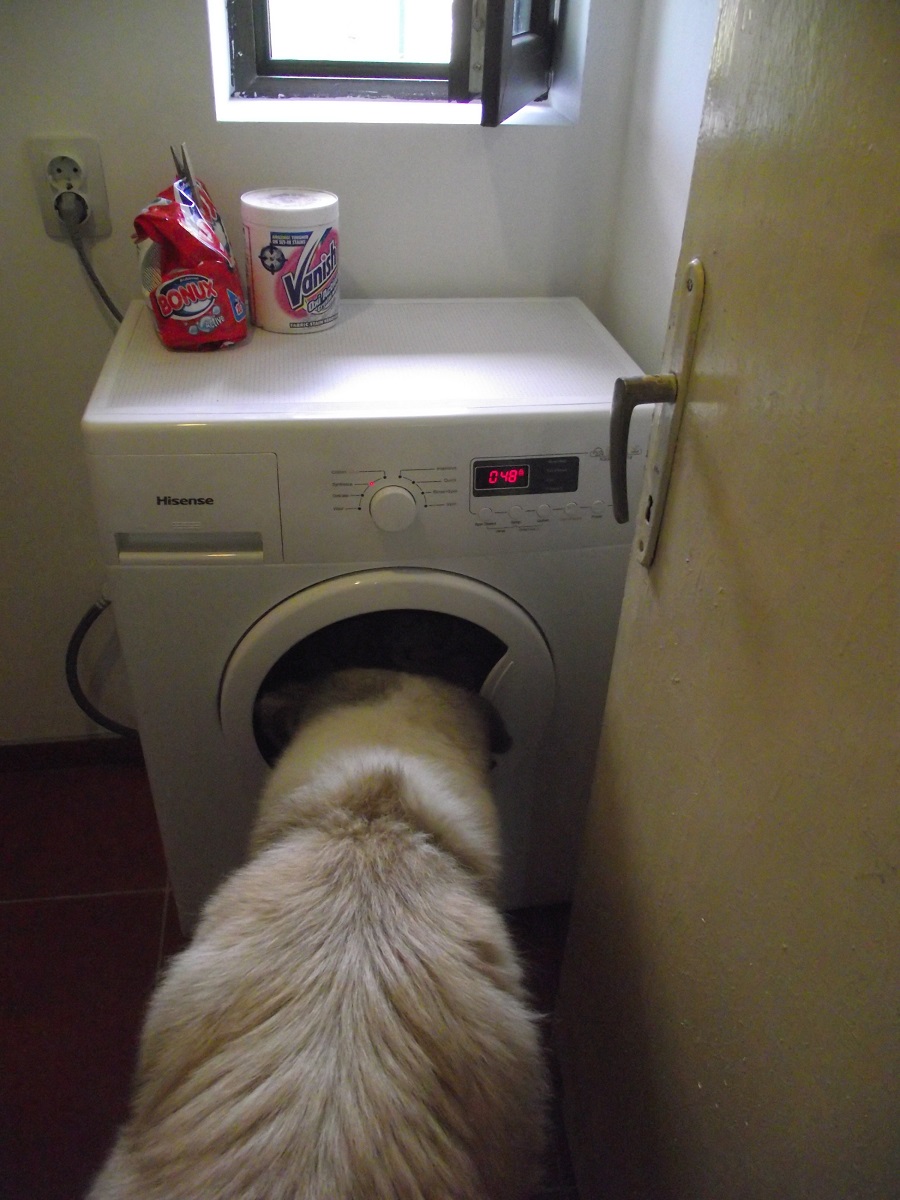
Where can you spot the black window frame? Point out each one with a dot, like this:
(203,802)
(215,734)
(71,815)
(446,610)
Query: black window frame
(516,68)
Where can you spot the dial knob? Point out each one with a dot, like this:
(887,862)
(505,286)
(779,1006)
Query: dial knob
(393,508)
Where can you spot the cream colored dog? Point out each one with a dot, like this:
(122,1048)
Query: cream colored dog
(349,1021)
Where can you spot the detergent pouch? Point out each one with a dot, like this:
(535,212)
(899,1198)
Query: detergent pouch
(188,273)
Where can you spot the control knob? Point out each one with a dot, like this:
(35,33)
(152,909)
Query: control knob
(393,508)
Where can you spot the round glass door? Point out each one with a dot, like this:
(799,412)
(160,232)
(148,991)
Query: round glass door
(427,622)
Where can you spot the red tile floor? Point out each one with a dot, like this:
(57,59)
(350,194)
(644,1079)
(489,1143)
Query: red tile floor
(86,922)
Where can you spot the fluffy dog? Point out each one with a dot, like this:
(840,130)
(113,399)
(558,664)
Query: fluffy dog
(349,1021)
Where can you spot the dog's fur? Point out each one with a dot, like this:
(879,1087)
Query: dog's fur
(349,1021)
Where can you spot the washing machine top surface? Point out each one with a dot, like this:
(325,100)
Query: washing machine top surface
(384,358)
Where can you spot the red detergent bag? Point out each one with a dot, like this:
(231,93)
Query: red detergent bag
(188,273)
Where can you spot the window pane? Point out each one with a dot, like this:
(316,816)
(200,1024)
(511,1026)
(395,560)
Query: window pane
(521,16)
(361,30)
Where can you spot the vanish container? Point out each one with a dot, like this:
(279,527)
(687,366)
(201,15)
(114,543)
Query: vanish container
(291,236)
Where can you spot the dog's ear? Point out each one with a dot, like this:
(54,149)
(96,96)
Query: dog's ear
(499,740)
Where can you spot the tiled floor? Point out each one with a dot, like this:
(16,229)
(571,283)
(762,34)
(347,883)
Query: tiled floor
(85,924)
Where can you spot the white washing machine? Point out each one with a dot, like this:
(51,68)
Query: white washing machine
(426,486)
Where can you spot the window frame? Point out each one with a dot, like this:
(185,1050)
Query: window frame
(516,69)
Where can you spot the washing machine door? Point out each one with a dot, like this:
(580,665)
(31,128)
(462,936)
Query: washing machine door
(520,683)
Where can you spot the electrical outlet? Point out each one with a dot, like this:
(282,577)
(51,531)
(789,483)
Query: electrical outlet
(69,164)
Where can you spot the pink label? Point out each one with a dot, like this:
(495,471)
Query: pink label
(299,271)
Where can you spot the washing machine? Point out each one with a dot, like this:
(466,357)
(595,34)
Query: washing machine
(424,486)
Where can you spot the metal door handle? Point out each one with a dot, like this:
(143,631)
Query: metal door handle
(627,395)
(667,392)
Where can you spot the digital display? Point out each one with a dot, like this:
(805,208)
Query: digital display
(502,477)
(537,475)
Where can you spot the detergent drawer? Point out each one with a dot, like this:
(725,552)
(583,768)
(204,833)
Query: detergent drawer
(187,508)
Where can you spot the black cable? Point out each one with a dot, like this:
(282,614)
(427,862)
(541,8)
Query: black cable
(73,212)
(72,652)
(78,243)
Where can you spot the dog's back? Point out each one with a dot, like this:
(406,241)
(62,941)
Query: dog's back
(348,1023)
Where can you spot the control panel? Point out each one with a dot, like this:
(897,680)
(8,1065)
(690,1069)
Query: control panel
(525,493)
(399,493)
(494,495)
(295,506)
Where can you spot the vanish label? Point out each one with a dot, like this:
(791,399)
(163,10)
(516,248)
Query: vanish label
(295,280)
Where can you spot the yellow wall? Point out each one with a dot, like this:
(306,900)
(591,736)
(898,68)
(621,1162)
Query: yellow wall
(729,1016)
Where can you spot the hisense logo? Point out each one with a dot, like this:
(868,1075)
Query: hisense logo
(185,500)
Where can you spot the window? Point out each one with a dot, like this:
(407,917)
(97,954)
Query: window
(498,51)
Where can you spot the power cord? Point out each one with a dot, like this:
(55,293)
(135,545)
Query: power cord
(72,652)
(73,212)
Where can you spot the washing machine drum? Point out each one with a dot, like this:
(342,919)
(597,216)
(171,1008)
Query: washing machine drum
(428,622)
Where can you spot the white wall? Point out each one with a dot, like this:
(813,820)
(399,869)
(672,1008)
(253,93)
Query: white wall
(673,54)
(424,211)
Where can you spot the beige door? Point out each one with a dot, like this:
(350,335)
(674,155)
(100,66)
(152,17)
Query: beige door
(728,1019)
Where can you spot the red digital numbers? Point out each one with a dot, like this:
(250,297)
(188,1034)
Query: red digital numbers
(509,476)
(501,477)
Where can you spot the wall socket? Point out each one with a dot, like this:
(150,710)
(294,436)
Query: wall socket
(69,164)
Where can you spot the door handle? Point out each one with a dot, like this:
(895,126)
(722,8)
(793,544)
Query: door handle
(667,392)
(627,395)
